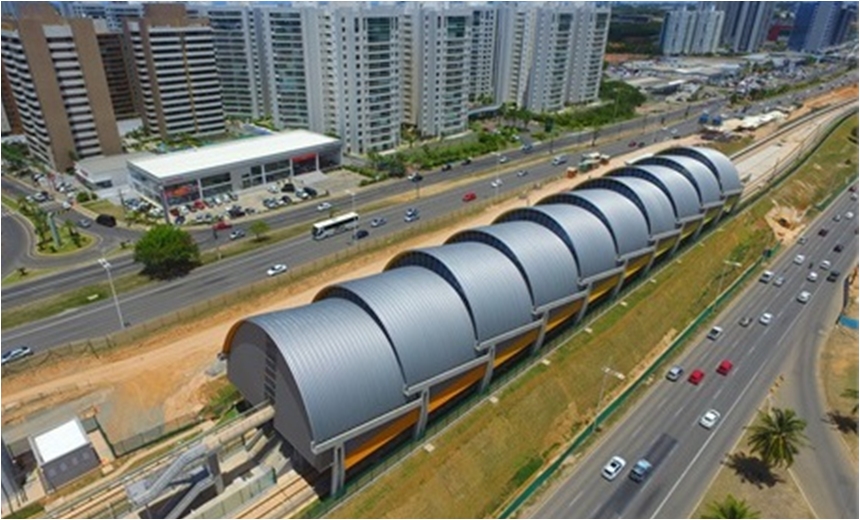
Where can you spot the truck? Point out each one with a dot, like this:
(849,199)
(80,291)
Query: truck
(572,171)
(601,158)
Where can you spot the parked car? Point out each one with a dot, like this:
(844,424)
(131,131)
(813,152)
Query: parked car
(288,188)
(15,354)
(276,269)
(613,468)
(311,191)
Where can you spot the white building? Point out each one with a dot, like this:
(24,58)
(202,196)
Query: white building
(691,32)
(179,91)
(482,64)
(437,67)
(114,13)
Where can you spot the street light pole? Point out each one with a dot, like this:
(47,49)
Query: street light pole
(352,204)
(607,370)
(726,265)
(104,263)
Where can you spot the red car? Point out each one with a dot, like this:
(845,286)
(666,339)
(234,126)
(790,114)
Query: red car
(725,367)
(199,204)
(469,196)
(696,377)
(222,224)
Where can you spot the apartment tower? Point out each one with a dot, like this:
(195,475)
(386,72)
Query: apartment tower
(688,32)
(745,26)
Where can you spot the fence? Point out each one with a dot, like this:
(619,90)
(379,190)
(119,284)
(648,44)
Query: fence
(152,435)
(229,503)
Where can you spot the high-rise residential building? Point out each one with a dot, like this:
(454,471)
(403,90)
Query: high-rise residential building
(691,32)
(818,25)
(745,26)
(178,90)
(10,108)
(482,65)
(117,70)
(550,53)
(237,56)
(113,13)
(362,74)
(437,67)
(57,77)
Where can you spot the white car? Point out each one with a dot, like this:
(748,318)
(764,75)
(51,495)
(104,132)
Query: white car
(710,419)
(496,183)
(613,468)
(849,215)
(804,296)
(799,259)
(15,354)
(812,276)
(766,318)
(323,206)
(276,269)
(824,265)
(503,159)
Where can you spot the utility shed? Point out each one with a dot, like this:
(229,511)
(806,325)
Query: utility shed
(63,454)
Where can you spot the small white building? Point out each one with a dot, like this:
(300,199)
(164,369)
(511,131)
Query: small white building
(182,177)
(63,454)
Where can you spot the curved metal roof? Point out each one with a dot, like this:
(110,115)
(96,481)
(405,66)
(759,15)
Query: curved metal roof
(719,164)
(693,169)
(584,234)
(624,220)
(542,258)
(650,200)
(341,361)
(681,192)
(439,340)
(492,288)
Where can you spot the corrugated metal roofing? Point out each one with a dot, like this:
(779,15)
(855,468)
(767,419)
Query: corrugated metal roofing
(540,255)
(489,283)
(721,166)
(425,319)
(696,172)
(343,366)
(681,192)
(650,199)
(587,237)
(624,220)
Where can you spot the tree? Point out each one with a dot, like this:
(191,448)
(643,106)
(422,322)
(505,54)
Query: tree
(73,232)
(730,507)
(166,252)
(259,228)
(777,436)
(851,393)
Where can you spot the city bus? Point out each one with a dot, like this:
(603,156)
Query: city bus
(335,225)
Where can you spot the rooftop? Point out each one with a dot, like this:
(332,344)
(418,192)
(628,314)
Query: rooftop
(233,152)
(63,439)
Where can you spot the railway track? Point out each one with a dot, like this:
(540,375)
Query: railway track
(287,497)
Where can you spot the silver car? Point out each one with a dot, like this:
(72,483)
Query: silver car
(613,468)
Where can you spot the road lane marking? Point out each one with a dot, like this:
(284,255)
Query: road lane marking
(575,498)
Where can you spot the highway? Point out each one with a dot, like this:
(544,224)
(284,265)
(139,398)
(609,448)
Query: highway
(663,425)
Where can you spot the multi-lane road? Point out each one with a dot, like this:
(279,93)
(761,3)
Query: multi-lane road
(664,425)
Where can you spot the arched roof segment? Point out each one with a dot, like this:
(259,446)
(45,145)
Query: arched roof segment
(543,259)
(341,362)
(623,219)
(584,234)
(706,184)
(424,347)
(650,200)
(490,285)
(719,164)
(682,194)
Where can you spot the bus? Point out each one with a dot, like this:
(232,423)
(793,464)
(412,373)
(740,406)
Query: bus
(335,225)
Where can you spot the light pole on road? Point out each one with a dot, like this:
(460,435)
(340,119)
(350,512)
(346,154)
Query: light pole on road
(104,263)
(726,265)
(607,370)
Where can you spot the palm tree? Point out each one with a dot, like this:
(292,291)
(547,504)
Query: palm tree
(851,393)
(730,507)
(777,436)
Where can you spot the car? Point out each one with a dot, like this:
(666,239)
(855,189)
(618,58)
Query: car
(311,192)
(361,233)
(286,199)
(745,321)
(812,276)
(237,234)
(302,194)
(503,159)
(696,376)
(522,173)
(824,265)
(613,468)
(641,470)
(724,367)
(276,269)
(853,196)
(411,215)
(222,224)
(179,220)
(287,188)
(779,281)
(799,259)
(833,276)
(380,221)
(416,177)
(802,240)
(323,206)
(838,248)
(766,318)
(632,144)
(67,205)
(849,215)
(804,296)
(674,373)
(766,277)
(273,188)
(559,159)
(823,232)
(15,354)
(85,223)
(496,183)
(710,419)
(467,161)
(106,220)
(715,332)
(526,147)
(469,196)
(837,217)
(446,167)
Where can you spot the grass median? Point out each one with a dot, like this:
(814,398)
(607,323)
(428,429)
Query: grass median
(482,459)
